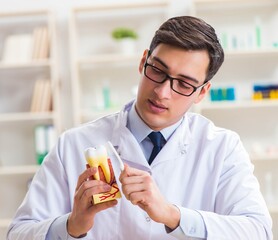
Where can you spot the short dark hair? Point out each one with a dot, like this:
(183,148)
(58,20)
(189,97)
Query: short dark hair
(191,33)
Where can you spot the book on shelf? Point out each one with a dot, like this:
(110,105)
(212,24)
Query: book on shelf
(42,96)
(36,42)
(27,47)
(41,43)
(17,49)
(45,138)
(46,97)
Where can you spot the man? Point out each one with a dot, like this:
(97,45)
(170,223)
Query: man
(199,186)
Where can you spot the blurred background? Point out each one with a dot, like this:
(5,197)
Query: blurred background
(63,63)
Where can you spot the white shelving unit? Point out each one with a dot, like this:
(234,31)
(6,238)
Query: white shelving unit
(103,77)
(3,226)
(248,32)
(18,161)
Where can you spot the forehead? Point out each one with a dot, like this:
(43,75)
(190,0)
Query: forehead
(177,60)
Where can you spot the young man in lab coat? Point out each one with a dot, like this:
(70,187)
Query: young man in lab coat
(199,186)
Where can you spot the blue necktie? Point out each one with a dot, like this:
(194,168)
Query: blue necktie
(158,141)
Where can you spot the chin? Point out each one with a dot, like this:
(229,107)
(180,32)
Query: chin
(154,123)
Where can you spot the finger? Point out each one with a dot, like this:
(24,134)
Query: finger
(89,188)
(137,179)
(88,166)
(132,188)
(138,198)
(87,174)
(102,206)
(124,172)
(129,171)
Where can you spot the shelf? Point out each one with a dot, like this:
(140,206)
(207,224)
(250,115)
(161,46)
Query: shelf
(264,158)
(90,115)
(252,53)
(235,1)
(97,59)
(26,116)
(5,222)
(108,58)
(226,4)
(33,12)
(238,104)
(33,64)
(122,6)
(19,170)
(273,209)
(20,73)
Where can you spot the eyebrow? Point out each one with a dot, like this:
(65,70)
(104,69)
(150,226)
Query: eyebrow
(180,75)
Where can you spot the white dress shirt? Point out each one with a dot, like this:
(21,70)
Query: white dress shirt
(202,169)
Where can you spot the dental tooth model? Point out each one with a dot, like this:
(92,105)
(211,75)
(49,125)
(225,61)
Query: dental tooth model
(98,158)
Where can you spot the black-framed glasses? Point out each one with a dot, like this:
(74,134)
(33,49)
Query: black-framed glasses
(177,85)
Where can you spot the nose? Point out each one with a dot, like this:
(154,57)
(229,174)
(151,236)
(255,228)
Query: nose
(164,90)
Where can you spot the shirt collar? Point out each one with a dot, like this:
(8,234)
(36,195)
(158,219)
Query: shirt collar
(140,130)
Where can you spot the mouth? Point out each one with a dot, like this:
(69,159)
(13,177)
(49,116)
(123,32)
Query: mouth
(157,107)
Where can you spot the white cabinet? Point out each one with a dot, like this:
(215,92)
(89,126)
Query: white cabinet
(248,33)
(26,58)
(104,76)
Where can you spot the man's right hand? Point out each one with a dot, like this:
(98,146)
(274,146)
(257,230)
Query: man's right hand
(81,219)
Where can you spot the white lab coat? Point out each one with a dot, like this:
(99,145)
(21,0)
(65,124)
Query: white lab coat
(201,167)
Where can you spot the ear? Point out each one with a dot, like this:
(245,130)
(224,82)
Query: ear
(205,89)
(143,60)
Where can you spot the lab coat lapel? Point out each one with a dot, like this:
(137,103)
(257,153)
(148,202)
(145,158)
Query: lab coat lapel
(126,145)
(131,153)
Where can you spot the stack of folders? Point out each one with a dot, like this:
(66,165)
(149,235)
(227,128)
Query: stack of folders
(45,138)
